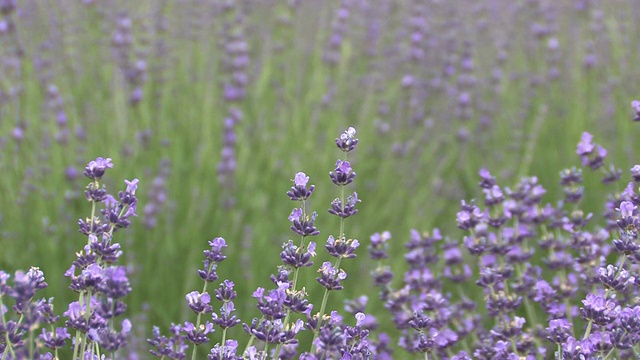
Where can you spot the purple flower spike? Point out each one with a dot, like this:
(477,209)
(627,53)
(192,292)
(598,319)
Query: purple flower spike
(198,335)
(347,140)
(331,278)
(349,206)
(493,195)
(635,173)
(172,347)
(76,315)
(225,352)
(299,191)
(225,292)
(96,168)
(199,303)
(626,208)
(342,248)
(343,173)
(585,150)
(55,340)
(599,310)
(559,330)
(469,217)
(635,104)
(379,246)
(303,225)
(215,254)
(295,257)
(114,282)
(226,318)
(132,186)
(301,179)
(295,214)
(585,146)
(487,181)
(615,279)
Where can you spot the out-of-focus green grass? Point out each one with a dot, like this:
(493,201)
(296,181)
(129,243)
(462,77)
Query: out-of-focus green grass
(286,128)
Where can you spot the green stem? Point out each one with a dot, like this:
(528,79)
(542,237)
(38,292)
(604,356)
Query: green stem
(9,347)
(325,297)
(588,330)
(320,316)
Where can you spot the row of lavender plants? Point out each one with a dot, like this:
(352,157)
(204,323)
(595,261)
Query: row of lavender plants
(552,282)
(205,99)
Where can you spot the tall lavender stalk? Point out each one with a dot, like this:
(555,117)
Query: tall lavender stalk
(100,284)
(278,305)
(331,275)
(235,64)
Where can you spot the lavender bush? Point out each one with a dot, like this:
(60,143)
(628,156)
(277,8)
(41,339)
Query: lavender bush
(550,284)
(91,321)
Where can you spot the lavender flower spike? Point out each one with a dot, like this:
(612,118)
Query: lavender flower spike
(343,173)
(299,190)
(347,140)
(96,168)
(331,277)
(585,146)
(635,104)
(626,208)
(199,303)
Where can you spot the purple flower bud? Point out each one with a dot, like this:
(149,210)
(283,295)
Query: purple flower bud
(96,168)
(295,214)
(635,173)
(343,174)
(331,278)
(131,186)
(198,335)
(635,104)
(585,146)
(487,180)
(55,340)
(301,179)
(300,191)
(626,208)
(347,141)
(199,303)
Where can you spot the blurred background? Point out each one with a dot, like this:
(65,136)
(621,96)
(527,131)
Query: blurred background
(215,105)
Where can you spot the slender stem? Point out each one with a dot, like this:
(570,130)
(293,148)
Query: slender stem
(588,330)
(320,316)
(325,297)
(8,345)
(249,343)
(224,336)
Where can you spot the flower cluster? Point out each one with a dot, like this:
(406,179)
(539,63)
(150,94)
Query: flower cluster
(551,282)
(545,261)
(285,309)
(95,276)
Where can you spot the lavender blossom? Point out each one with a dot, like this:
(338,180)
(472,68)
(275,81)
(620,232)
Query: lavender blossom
(331,278)
(347,141)
(300,191)
(635,104)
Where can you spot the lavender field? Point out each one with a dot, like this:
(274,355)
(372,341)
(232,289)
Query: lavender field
(306,179)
